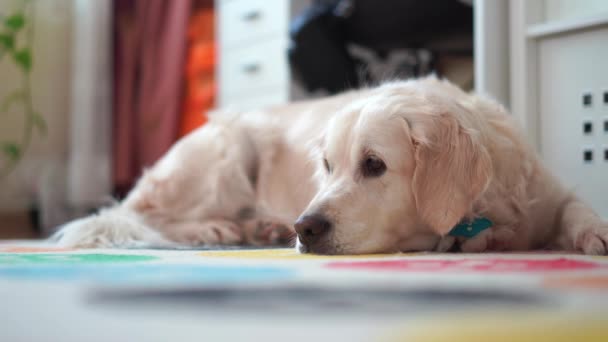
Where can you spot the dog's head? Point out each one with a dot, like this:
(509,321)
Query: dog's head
(403,164)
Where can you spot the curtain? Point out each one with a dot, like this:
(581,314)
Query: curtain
(150,47)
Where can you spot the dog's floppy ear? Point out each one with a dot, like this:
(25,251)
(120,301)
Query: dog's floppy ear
(315,152)
(452,170)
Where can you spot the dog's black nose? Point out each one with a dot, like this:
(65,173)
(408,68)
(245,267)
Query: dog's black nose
(311,228)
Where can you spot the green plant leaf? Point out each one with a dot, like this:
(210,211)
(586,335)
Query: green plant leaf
(39,123)
(24,59)
(12,151)
(15,22)
(7,41)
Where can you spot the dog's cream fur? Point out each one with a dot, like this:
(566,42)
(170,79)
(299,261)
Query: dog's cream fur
(244,178)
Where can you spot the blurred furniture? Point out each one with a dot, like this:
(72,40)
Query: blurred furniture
(340,44)
(363,40)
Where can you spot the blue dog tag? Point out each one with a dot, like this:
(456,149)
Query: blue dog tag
(471,229)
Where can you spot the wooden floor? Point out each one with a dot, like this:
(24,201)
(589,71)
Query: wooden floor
(16,225)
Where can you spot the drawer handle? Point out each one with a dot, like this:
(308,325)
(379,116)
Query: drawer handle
(251,68)
(252,15)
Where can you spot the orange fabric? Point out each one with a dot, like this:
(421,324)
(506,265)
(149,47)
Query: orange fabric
(200,86)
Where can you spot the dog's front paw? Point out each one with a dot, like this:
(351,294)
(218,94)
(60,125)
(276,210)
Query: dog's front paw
(81,233)
(445,244)
(111,228)
(493,239)
(593,240)
(213,232)
(263,232)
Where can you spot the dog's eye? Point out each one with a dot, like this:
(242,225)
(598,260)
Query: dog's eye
(373,167)
(326,164)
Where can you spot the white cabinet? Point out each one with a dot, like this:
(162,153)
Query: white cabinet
(559,89)
(252,49)
(573,103)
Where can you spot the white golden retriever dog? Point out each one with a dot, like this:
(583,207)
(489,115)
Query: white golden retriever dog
(388,169)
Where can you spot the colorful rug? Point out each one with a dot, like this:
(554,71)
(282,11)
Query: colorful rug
(47,293)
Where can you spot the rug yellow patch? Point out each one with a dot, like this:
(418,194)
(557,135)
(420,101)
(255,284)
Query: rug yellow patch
(507,329)
(286,253)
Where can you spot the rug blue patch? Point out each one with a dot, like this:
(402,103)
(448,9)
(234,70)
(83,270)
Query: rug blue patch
(148,273)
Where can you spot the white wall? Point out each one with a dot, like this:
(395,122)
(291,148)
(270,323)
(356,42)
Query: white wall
(51,88)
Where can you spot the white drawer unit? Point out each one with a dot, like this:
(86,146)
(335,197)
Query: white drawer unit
(241,22)
(253,68)
(258,99)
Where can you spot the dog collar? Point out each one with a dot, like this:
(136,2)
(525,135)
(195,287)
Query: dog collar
(470,229)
